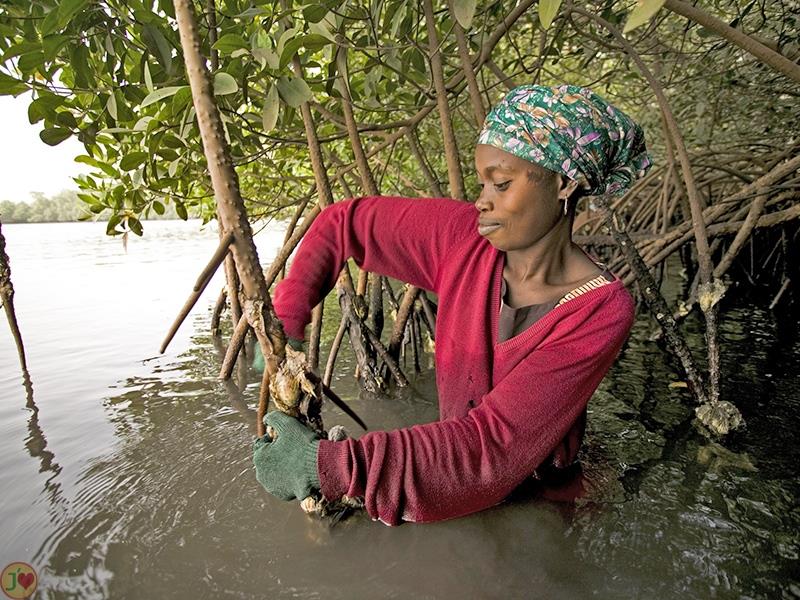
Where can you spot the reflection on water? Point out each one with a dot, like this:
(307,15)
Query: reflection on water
(145,487)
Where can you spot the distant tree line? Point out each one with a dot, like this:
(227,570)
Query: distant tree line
(63,207)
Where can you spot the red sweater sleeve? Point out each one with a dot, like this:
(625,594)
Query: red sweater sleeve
(404,238)
(455,467)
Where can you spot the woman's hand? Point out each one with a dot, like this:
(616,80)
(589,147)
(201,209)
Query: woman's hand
(286,465)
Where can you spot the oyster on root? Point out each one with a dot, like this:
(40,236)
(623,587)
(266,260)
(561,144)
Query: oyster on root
(708,294)
(720,417)
(290,382)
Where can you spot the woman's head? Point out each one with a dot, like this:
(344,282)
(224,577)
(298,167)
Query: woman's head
(543,147)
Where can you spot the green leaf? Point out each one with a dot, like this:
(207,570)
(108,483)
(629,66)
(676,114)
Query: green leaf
(181,99)
(52,136)
(148,78)
(224,84)
(66,119)
(19,49)
(79,60)
(644,11)
(269,115)
(548,9)
(158,45)
(88,198)
(44,106)
(52,44)
(464,10)
(142,124)
(111,106)
(9,85)
(266,56)
(252,12)
(160,94)
(113,221)
(132,160)
(67,9)
(314,13)
(180,208)
(322,29)
(31,61)
(50,23)
(312,42)
(88,160)
(135,225)
(294,91)
(167,153)
(109,45)
(158,207)
(289,50)
(230,42)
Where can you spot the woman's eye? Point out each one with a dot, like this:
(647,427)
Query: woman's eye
(502,186)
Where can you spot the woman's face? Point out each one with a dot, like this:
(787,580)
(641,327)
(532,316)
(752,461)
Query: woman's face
(518,204)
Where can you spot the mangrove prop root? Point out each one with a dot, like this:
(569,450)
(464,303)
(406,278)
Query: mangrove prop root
(370,379)
(199,287)
(388,360)
(401,320)
(430,316)
(257,306)
(216,314)
(334,351)
(7,299)
(655,301)
(315,338)
(263,403)
(216,260)
(235,345)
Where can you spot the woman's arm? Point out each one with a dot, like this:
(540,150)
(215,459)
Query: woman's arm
(403,238)
(451,468)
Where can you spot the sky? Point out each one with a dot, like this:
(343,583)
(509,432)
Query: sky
(27,164)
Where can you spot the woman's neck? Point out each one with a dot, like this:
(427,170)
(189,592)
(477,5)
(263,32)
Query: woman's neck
(551,261)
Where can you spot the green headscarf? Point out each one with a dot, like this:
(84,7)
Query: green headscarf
(570,130)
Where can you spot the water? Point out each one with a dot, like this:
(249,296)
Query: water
(134,478)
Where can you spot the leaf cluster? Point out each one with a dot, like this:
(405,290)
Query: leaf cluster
(110,72)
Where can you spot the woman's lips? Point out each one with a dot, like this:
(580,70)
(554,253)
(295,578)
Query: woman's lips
(487,229)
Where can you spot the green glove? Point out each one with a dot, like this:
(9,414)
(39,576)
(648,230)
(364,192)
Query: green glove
(258,358)
(287,466)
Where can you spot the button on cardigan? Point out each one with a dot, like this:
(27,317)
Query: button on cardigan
(503,406)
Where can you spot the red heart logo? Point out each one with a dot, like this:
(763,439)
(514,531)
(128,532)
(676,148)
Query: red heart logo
(25,580)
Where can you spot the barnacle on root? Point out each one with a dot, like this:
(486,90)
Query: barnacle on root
(289,382)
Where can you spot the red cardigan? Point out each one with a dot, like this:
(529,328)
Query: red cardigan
(504,407)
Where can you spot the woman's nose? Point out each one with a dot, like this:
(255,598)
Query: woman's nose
(482,203)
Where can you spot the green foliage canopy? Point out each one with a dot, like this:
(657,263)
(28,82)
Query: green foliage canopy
(110,72)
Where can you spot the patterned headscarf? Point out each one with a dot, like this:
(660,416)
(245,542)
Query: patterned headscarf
(572,131)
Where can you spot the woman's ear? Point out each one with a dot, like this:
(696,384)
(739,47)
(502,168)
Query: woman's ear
(568,186)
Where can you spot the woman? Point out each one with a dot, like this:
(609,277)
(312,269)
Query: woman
(513,383)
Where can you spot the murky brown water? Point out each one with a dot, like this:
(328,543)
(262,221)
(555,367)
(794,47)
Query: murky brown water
(134,479)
